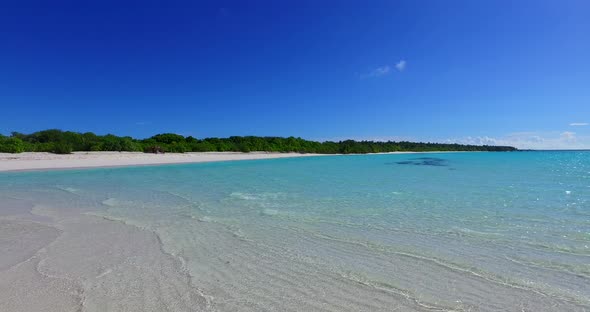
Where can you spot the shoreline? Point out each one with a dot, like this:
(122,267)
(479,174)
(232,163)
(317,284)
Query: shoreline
(37,161)
(47,274)
(118,240)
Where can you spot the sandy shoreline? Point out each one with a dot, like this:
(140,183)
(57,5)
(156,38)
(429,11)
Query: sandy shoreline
(70,261)
(194,239)
(80,160)
(65,252)
(48,161)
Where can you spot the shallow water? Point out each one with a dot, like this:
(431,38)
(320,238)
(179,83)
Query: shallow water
(442,232)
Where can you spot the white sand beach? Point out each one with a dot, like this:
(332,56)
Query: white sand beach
(61,253)
(317,234)
(46,161)
(64,259)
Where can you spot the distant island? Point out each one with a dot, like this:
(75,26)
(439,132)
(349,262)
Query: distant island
(64,142)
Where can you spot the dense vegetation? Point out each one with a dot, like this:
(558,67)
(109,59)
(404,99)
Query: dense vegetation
(64,142)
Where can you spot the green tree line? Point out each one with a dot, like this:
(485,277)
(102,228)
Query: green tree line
(64,142)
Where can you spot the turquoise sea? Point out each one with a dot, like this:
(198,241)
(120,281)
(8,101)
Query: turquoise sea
(412,232)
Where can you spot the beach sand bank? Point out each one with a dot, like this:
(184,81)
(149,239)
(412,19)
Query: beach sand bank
(48,161)
(61,253)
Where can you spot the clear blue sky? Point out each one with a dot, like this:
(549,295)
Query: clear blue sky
(513,72)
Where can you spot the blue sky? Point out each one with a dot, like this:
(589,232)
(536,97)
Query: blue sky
(496,72)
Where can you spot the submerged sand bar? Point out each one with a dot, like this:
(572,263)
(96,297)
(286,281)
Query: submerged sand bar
(47,161)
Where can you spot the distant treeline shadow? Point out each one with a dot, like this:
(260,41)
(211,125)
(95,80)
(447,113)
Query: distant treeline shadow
(423,161)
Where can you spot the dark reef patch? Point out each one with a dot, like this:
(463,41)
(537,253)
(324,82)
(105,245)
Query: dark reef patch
(423,161)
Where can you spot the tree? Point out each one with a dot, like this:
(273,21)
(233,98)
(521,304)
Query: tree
(11,145)
(57,141)
(62,147)
(168,138)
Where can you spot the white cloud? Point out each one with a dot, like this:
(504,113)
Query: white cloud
(401,65)
(532,140)
(380,71)
(384,70)
(574,124)
(568,136)
(377,72)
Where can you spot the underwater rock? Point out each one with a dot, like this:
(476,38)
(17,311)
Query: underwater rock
(423,161)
